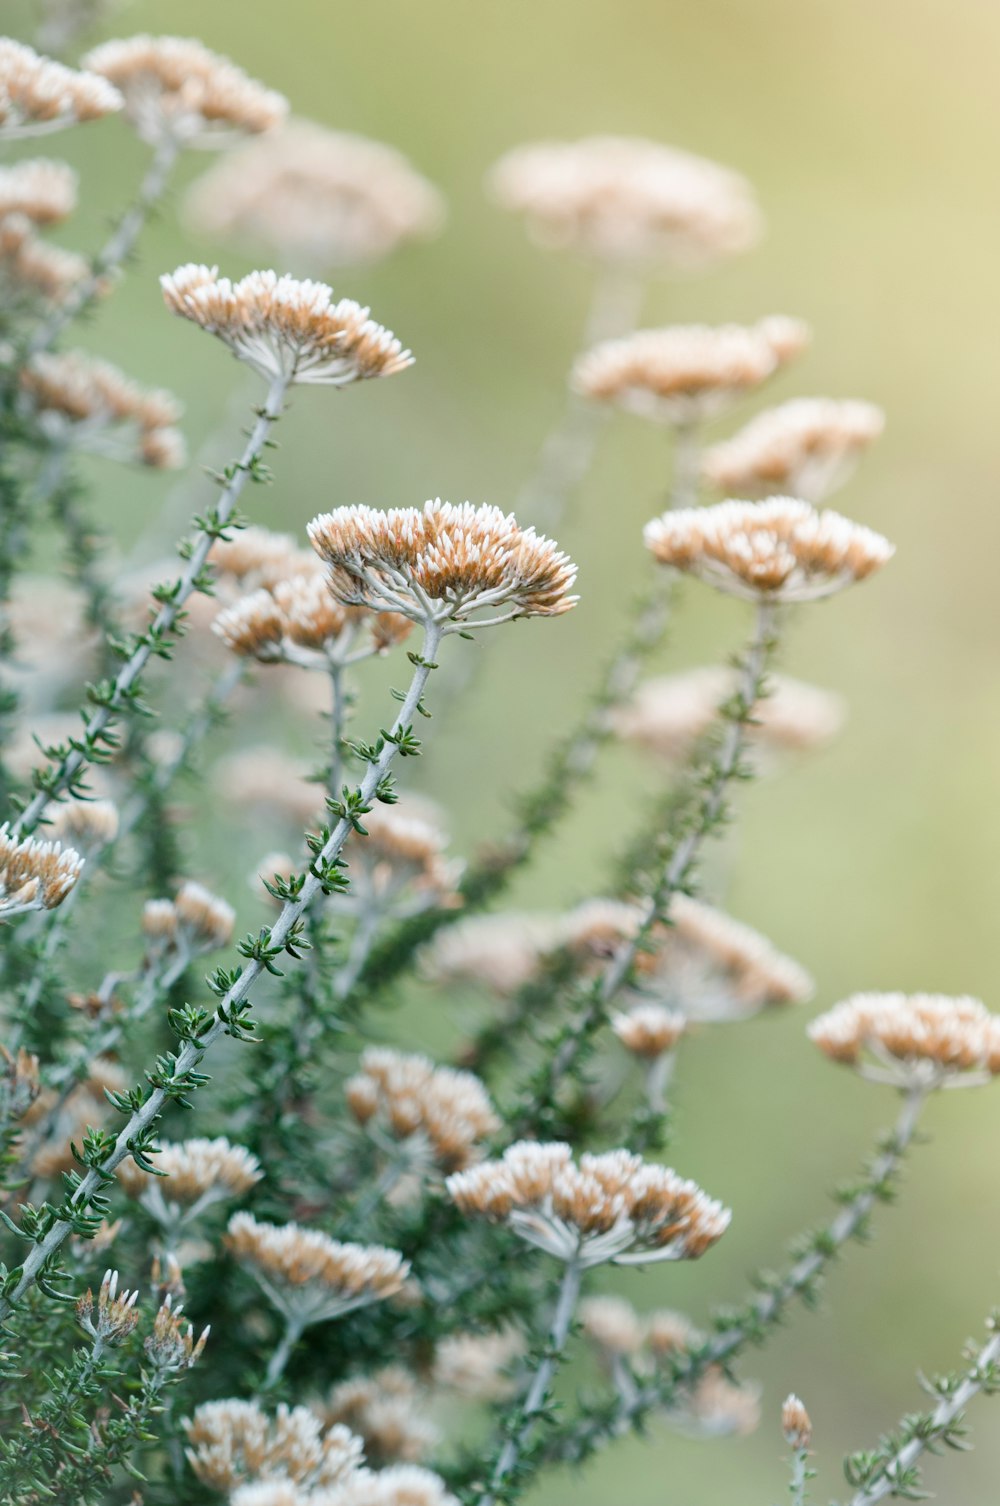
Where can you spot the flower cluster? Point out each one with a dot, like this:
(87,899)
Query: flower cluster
(440,1116)
(172,1346)
(611,1207)
(399,867)
(34,875)
(685,374)
(194,921)
(88,404)
(175,89)
(912,1041)
(38,95)
(326,197)
(232,1442)
(780,550)
(310,1277)
(190,1176)
(284,328)
(33,271)
(443,563)
(805,448)
(86,825)
(114,1316)
(399,1485)
(622,199)
(42,191)
(297,620)
(385,1411)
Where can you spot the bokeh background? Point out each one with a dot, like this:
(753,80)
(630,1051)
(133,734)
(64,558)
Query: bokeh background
(871,129)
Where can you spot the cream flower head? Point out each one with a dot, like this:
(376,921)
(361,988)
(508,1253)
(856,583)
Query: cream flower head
(285,328)
(912,1041)
(780,550)
(443,563)
(175,89)
(34,875)
(806,448)
(38,95)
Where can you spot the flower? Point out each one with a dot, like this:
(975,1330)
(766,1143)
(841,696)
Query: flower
(231,1442)
(310,1277)
(193,1174)
(399,868)
(912,1042)
(40,190)
(324,198)
(611,1207)
(175,89)
(37,94)
(30,269)
(623,199)
(649,1030)
(805,448)
(442,563)
(285,328)
(115,1316)
(194,921)
(780,550)
(90,825)
(684,374)
(612,1324)
(477,1365)
(672,713)
(34,875)
(498,952)
(171,1347)
(384,1410)
(439,1114)
(795,1423)
(299,621)
(92,405)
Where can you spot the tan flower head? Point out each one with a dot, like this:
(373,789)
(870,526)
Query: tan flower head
(204,921)
(41,191)
(440,1115)
(498,952)
(318,197)
(37,94)
(385,1412)
(719,1407)
(232,1442)
(91,405)
(443,562)
(401,866)
(670,714)
(114,1315)
(175,89)
(172,1346)
(310,1277)
(193,1174)
(611,1207)
(612,1324)
(623,199)
(796,1424)
(34,875)
(477,1365)
(670,1333)
(680,375)
(649,1030)
(912,1041)
(258,558)
(805,448)
(781,550)
(87,825)
(32,270)
(286,328)
(298,620)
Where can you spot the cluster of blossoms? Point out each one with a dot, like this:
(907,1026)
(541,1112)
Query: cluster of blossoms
(113,1317)
(175,89)
(231,1443)
(626,200)
(32,270)
(287,330)
(912,1041)
(83,403)
(34,875)
(39,95)
(806,448)
(310,1277)
(194,921)
(41,191)
(443,563)
(438,1115)
(399,1485)
(611,1207)
(190,1176)
(685,374)
(385,1410)
(326,197)
(780,550)
(88,826)
(400,866)
(671,714)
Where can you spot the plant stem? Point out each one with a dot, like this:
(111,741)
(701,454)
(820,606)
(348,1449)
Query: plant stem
(294,1329)
(535,1400)
(74,759)
(176,1077)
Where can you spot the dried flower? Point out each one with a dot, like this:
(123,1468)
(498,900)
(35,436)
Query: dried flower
(37,94)
(30,269)
(612,1324)
(115,1316)
(93,406)
(912,1041)
(40,190)
(285,328)
(796,1424)
(718,1407)
(193,1175)
(310,1277)
(205,922)
(232,1442)
(400,867)
(649,1030)
(298,621)
(322,197)
(805,448)
(443,563)
(780,550)
(384,1410)
(670,1333)
(34,875)
(440,1115)
(175,89)
(672,713)
(611,1207)
(258,557)
(171,1347)
(622,199)
(89,825)
(477,1365)
(498,952)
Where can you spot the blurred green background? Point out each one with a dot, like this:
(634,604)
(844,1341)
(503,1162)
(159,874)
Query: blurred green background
(871,129)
